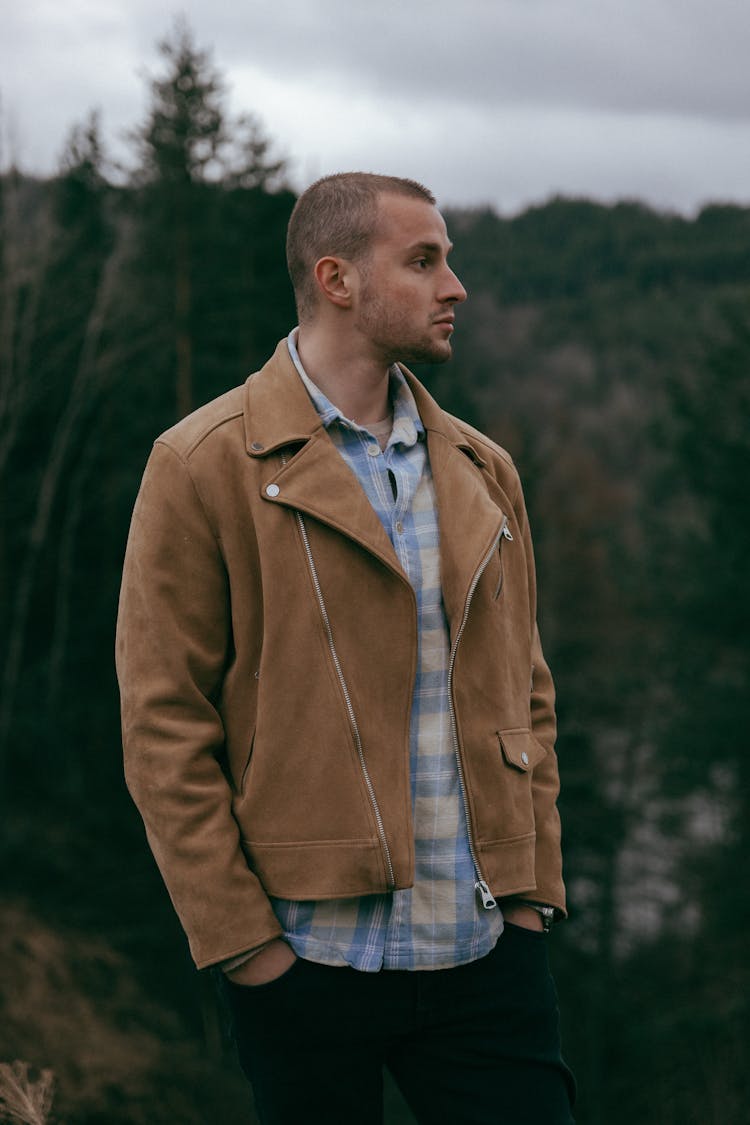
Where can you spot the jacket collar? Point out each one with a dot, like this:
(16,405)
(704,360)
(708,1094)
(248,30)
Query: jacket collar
(278,410)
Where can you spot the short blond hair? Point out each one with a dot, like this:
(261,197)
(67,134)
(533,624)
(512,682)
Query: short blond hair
(337,215)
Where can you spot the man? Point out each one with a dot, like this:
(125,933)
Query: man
(338,721)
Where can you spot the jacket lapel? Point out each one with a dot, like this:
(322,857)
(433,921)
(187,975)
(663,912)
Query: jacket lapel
(470,521)
(315,479)
(318,481)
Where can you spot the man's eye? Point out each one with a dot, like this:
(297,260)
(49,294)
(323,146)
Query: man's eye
(421,263)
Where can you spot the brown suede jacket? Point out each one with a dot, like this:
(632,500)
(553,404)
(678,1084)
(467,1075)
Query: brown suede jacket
(266,653)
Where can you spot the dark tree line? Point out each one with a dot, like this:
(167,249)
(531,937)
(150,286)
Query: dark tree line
(608,348)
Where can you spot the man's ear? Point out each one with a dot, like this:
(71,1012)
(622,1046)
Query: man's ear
(335,278)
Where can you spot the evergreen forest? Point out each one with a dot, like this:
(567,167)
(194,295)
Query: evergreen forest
(608,349)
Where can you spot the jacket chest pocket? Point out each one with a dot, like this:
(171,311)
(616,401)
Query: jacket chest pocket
(504,541)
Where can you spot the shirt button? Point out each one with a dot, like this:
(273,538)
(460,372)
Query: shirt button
(373,450)
(399,527)
(525,758)
(272,490)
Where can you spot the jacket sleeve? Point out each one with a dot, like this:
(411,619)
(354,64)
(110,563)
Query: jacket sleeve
(550,888)
(173,644)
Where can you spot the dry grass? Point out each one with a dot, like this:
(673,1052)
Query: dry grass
(71,1005)
(25,1096)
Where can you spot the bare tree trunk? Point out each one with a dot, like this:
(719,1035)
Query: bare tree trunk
(17,325)
(183,338)
(63,593)
(627,804)
(78,403)
(600,1010)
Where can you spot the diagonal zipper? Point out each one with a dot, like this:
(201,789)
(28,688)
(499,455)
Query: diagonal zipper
(480,885)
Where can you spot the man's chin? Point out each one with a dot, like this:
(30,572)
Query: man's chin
(430,353)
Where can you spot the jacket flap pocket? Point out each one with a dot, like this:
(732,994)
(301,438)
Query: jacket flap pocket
(520,749)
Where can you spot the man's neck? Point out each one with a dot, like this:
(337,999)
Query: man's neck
(356,384)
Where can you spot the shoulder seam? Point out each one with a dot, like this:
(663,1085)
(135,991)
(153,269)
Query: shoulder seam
(163,439)
(183,460)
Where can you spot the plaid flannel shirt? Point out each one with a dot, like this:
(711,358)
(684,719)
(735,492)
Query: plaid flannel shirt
(438,923)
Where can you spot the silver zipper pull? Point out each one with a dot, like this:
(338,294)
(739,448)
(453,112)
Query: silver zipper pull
(488,901)
(507,533)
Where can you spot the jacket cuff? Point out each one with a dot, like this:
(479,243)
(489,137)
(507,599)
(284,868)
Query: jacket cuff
(241,958)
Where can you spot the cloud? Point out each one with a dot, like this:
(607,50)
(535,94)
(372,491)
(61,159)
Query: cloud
(505,156)
(664,56)
(493,100)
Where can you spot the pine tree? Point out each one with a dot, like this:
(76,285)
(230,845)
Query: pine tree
(179,147)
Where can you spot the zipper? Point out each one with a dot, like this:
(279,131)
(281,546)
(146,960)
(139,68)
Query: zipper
(481,886)
(347,699)
(505,533)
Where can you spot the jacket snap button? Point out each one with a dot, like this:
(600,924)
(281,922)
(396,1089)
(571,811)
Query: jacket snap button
(257,445)
(525,758)
(272,490)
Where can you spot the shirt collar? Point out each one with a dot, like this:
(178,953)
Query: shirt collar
(407,425)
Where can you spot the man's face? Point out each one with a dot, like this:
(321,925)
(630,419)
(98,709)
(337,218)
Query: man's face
(407,292)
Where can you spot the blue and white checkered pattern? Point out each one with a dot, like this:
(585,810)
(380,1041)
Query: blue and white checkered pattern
(438,923)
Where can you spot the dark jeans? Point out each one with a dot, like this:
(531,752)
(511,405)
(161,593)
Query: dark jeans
(474,1045)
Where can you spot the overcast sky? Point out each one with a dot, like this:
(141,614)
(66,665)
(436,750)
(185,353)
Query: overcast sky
(487,101)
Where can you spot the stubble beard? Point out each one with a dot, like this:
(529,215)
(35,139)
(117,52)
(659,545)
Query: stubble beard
(430,351)
(392,334)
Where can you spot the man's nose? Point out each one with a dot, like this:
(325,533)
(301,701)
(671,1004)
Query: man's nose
(452,289)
